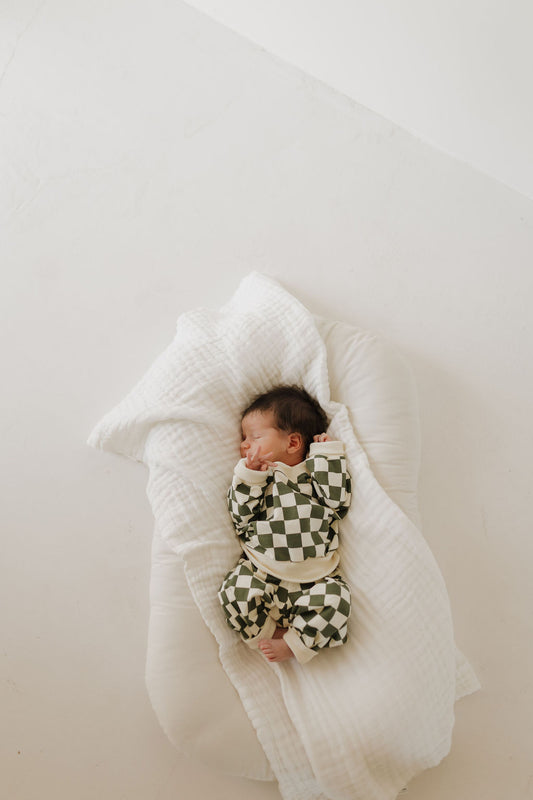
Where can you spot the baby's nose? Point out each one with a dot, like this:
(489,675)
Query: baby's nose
(245,446)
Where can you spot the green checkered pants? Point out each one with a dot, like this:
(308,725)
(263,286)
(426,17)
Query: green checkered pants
(318,612)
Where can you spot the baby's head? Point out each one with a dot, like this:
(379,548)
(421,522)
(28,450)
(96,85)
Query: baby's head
(282,422)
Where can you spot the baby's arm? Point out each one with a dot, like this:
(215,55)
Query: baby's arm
(246,493)
(327,466)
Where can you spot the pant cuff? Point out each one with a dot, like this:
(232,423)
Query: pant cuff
(302,653)
(266,633)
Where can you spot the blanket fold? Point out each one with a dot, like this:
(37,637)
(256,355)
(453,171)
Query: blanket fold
(359,721)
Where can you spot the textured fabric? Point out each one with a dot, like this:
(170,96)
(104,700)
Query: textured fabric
(318,612)
(394,682)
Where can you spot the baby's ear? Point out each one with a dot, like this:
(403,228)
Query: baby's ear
(296,442)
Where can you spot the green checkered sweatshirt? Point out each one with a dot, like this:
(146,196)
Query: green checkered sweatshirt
(293,519)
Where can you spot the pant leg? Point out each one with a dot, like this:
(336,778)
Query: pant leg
(320,614)
(245,598)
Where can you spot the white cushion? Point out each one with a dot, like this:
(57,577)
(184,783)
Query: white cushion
(191,694)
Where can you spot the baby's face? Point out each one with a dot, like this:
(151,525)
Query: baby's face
(259,431)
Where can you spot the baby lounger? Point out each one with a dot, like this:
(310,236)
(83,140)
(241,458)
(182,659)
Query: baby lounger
(376,384)
(194,665)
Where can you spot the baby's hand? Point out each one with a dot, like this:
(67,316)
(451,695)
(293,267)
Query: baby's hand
(254,460)
(267,464)
(321,437)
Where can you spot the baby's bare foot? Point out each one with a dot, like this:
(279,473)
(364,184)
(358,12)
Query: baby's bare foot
(275,649)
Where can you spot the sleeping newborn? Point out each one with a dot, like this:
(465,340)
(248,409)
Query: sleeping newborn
(291,486)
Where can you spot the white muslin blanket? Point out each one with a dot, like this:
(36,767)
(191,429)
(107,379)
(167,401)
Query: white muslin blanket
(358,721)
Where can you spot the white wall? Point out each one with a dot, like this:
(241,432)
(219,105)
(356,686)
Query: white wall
(149,161)
(457,74)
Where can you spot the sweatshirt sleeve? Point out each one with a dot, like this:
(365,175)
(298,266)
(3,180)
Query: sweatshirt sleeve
(245,494)
(327,466)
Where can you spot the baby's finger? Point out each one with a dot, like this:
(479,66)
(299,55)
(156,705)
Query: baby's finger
(254,453)
(252,458)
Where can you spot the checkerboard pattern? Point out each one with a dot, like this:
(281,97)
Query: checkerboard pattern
(318,612)
(292,519)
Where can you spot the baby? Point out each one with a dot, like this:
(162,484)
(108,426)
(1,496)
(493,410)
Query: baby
(290,488)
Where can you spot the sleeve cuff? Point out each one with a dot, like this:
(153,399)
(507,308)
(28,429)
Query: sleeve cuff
(326,449)
(254,477)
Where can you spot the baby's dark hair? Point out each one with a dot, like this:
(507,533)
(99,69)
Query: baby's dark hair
(294,410)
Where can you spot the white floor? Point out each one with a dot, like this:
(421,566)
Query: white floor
(149,161)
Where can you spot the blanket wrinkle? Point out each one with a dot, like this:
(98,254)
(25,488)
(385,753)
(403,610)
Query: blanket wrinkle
(385,699)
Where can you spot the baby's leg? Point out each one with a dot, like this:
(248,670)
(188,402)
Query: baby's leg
(246,602)
(274,647)
(321,611)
